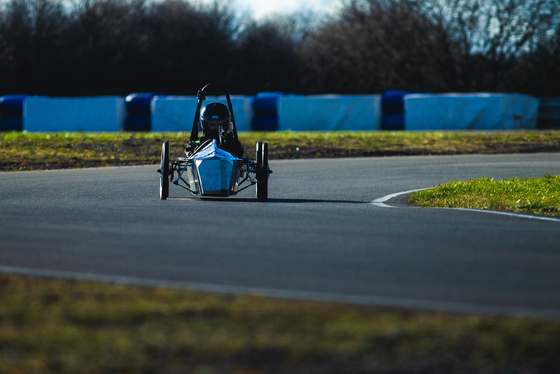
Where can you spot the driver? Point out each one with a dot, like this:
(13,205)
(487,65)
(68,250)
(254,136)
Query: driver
(215,120)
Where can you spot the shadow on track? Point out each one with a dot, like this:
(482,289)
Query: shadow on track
(269,201)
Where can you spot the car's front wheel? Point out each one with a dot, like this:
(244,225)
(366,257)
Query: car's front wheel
(164,171)
(262,171)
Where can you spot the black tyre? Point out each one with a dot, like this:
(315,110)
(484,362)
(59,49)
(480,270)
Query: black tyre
(259,155)
(262,171)
(164,171)
(258,166)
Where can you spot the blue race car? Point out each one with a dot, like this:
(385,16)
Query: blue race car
(213,164)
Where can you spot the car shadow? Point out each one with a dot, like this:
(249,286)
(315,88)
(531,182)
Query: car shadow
(269,201)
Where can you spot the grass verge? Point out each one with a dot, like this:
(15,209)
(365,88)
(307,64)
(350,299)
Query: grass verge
(534,196)
(62,326)
(36,151)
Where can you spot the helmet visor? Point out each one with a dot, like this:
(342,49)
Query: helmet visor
(214,126)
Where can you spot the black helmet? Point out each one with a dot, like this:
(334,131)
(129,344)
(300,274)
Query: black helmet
(213,117)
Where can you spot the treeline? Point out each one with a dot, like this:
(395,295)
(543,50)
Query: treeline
(115,47)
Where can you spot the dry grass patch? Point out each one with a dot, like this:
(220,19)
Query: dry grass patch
(56,326)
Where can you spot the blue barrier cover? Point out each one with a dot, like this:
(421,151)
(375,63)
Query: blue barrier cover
(176,113)
(139,104)
(330,113)
(45,114)
(265,123)
(265,104)
(475,111)
(11,124)
(138,123)
(12,105)
(392,102)
(392,122)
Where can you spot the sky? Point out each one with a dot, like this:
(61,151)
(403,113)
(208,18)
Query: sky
(264,8)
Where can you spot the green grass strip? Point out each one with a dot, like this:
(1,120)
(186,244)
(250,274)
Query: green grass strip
(534,196)
(56,326)
(35,151)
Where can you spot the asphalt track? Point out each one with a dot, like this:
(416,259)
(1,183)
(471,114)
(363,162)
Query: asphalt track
(318,237)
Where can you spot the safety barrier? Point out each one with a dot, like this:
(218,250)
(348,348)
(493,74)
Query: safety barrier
(265,111)
(394,110)
(392,105)
(176,113)
(45,114)
(138,112)
(11,112)
(329,112)
(549,113)
(480,111)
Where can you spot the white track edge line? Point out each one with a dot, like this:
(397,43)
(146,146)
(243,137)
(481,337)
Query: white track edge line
(379,301)
(527,216)
(381,203)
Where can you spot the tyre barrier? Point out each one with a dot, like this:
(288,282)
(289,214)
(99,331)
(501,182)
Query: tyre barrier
(273,112)
(11,112)
(392,122)
(265,111)
(265,123)
(12,105)
(392,102)
(138,112)
(138,123)
(139,104)
(549,113)
(11,124)
(266,103)
(392,105)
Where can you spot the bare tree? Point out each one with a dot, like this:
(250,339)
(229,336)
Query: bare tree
(30,34)
(98,47)
(489,36)
(266,58)
(374,45)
